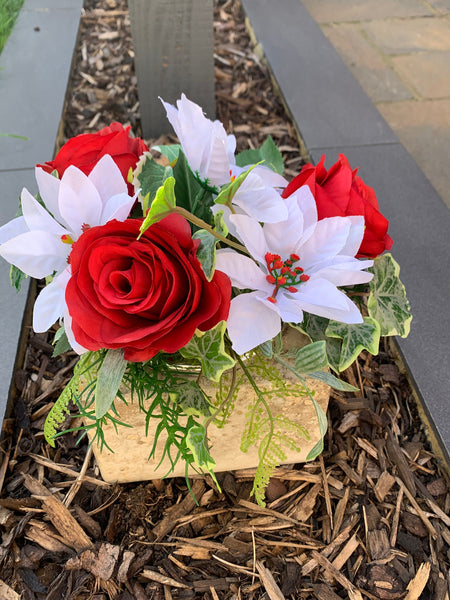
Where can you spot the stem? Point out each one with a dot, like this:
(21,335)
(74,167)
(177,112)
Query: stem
(203,225)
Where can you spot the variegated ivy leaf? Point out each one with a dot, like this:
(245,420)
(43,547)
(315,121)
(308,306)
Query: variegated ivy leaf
(209,348)
(161,205)
(193,400)
(206,252)
(332,381)
(387,301)
(312,357)
(171,151)
(196,442)
(150,176)
(269,155)
(355,338)
(108,381)
(227,193)
(314,327)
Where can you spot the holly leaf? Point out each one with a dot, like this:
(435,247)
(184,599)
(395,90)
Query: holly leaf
(109,379)
(190,193)
(314,327)
(206,252)
(193,400)
(268,155)
(171,151)
(150,176)
(161,206)
(209,349)
(387,301)
(355,338)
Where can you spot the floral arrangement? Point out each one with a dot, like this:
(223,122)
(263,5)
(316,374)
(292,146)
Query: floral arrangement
(189,259)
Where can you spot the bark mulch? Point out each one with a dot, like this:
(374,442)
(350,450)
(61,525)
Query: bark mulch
(369,519)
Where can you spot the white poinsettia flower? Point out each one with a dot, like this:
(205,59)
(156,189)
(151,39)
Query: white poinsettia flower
(40,241)
(297,266)
(206,145)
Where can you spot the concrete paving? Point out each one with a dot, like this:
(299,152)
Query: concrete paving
(399,52)
(34,71)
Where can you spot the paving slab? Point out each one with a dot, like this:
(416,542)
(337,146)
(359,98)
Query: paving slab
(427,72)
(424,129)
(400,36)
(33,79)
(377,78)
(316,85)
(337,11)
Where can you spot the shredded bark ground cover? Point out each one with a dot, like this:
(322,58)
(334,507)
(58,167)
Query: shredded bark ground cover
(369,519)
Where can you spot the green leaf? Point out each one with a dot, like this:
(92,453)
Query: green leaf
(323,426)
(108,381)
(312,357)
(16,277)
(162,204)
(193,400)
(61,343)
(355,338)
(151,176)
(209,348)
(315,327)
(333,381)
(268,153)
(190,193)
(171,151)
(228,192)
(387,302)
(206,252)
(197,444)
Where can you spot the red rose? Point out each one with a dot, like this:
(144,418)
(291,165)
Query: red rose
(340,193)
(85,150)
(142,295)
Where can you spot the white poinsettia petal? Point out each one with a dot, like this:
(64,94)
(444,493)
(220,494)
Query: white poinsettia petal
(107,178)
(12,229)
(37,218)
(284,237)
(345,271)
(78,348)
(269,177)
(355,236)
(307,204)
(36,253)
(251,322)
(322,298)
(117,207)
(49,191)
(252,235)
(243,272)
(79,200)
(329,237)
(49,307)
(289,310)
(260,201)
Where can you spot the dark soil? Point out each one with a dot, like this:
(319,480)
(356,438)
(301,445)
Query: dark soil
(368,519)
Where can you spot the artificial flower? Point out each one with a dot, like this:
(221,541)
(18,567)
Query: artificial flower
(142,295)
(85,150)
(39,242)
(205,143)
(298,265)
(341,192)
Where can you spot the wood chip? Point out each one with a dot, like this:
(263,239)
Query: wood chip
(418,583)
(163,579)
(271,587)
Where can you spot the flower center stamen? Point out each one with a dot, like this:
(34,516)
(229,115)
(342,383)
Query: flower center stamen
(283,274)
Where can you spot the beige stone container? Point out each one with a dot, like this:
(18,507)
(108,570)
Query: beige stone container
(131,447)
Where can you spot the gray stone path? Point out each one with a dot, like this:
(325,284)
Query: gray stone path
(34,71)
(334,114)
